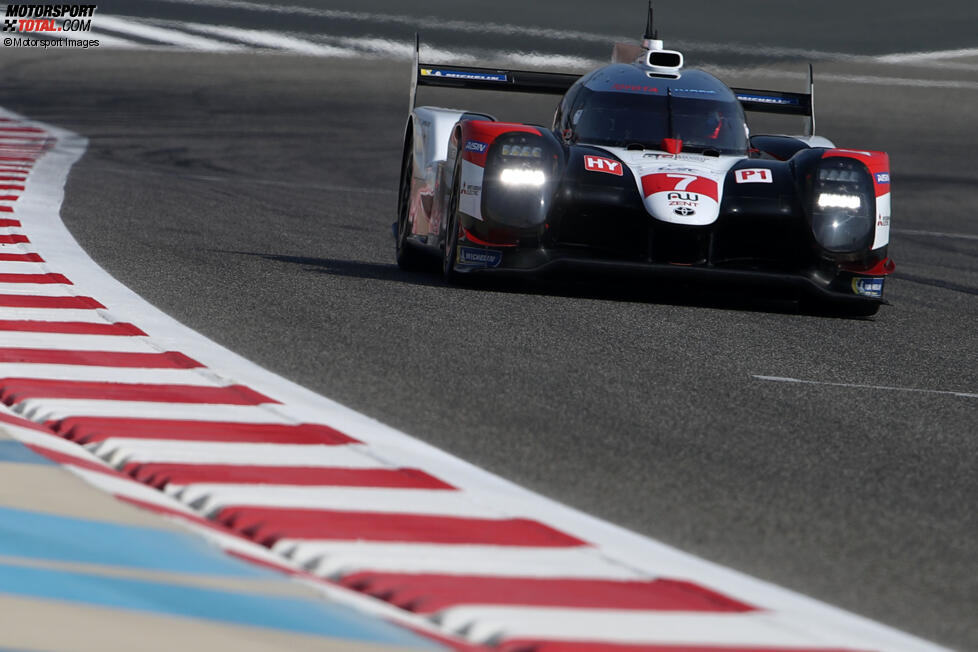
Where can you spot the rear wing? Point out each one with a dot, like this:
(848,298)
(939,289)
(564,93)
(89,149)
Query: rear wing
(556,83)
(782,102)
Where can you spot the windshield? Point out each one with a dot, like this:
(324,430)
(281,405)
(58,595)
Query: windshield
(622,119)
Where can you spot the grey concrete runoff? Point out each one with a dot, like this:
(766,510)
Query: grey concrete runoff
(251,197)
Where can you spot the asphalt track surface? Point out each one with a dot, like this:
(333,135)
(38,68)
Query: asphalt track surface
(251,196)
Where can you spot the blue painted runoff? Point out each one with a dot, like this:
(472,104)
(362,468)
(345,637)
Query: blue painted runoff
(305,616)
(64,538)
(14,451)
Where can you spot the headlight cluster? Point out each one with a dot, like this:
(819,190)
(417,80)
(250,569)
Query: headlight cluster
(521,170)
(843,205)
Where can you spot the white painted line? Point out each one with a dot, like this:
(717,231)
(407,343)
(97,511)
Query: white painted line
(163,35)
(909,57)
(37,289)
(208,498)
(52,314)
(780,379)
(490,624)
(441,22)
(937,234)
(728,71)
(118,451)
(274,40)
(70,342)
(48,409)
(22,266)
(337,558)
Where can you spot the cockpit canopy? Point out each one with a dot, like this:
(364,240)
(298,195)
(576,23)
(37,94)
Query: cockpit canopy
(621,105)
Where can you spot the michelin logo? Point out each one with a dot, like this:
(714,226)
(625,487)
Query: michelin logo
(767,99)
(459,74)
(479,257)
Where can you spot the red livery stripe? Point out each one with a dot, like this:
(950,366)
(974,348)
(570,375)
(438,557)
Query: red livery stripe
(85,430)
(601,646)
(9,197)
(160,475)
(268,525)
(8,186)
(165,360)
(14,390)
(31,301)
(8,221)
(27,258)
(427,593)
(35,278)
(71,327)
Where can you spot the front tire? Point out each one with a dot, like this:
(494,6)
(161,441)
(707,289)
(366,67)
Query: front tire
(405,253)
(450,248)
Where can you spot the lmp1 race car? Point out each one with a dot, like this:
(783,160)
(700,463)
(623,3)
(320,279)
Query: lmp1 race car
(650,168)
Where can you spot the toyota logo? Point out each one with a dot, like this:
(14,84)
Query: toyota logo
(684,211)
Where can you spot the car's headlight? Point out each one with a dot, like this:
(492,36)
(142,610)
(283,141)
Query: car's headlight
(843,205)
(522,177)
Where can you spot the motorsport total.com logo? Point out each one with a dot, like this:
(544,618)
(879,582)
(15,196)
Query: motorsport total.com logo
(53,24)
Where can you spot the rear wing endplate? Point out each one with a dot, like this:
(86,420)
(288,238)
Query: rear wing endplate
(556,83)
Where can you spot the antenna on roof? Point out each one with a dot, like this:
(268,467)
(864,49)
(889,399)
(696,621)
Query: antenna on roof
(651,39)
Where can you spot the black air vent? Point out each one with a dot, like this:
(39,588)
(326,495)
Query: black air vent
(665,59)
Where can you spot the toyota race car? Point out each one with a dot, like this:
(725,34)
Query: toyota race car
(648,167)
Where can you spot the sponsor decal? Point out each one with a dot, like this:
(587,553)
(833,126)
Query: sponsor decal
(461,74)
(681,157)
(601,164)
(868,287)
(685,196)
(470,189)
(632,87)
(476,146)
(479,257)
(704,91)
(753,175)
(679,182)
(684,211)
(882,177)
(768,99)
(883,220)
